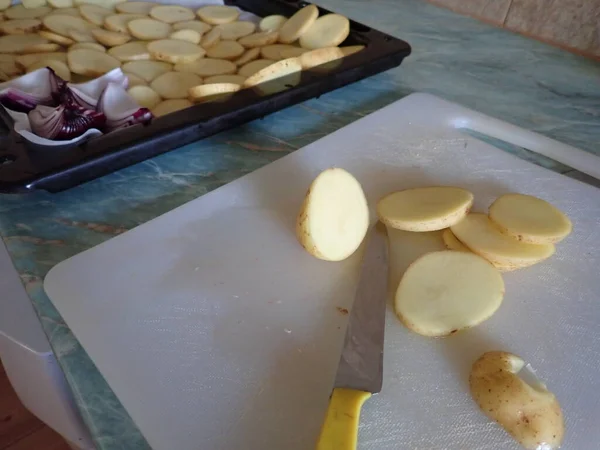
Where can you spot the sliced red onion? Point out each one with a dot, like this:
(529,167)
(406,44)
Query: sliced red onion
(79,97)
(20,101)
(64,122)
(142,115)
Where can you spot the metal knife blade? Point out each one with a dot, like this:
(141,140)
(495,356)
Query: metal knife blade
(361,362)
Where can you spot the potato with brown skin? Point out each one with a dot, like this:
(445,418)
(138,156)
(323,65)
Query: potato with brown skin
(530,413)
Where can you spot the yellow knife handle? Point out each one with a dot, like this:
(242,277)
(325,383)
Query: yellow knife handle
(340,429)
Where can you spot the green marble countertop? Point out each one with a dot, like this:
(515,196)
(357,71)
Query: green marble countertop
(504,75)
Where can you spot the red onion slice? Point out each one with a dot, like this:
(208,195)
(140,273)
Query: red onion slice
(64,122)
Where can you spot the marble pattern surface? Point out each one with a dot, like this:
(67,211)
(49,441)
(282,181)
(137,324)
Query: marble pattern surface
(493,11)
(491,70)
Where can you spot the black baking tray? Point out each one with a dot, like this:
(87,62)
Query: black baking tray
(24,168)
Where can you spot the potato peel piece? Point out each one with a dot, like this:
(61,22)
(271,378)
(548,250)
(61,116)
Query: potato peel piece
(528,412)
(445,292)
(334,217)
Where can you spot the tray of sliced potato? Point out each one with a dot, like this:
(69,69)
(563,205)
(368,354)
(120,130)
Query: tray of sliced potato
(225,64)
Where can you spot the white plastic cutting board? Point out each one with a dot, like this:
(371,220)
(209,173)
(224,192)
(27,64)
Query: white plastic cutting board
(216,330)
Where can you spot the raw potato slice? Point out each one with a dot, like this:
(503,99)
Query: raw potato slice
(20,12)
(327,31)
(134,80)
(132,51)
(20,26)
(425,209)
(235,79)
(292,52)
(211,38)
(212,92)
(145,96)
(104,3)
(149,29)
(254,66)
(23,43)
(274,52)
(63,5)
(249,55)
(9,67)
(59,67)
(42,48)
(272,23)
(53,37)
(218,14)
(174,51)
(334,217)
(225,50)
(110,38)
(170,106)
(91,63)
(259,39)
(31,4)
(351,49)
(135,7)
(62,24)
(195,25)
(444,292)
(321,58)
(89,46)
(529,219)
(452,243)
(147,70)
(186,35)
(27,60)
(235,30)
(81,36)
(478,233)
(94,13)
(175,84)
(172,13)
(296,25)
(206,67)
(118,22)
(525,409)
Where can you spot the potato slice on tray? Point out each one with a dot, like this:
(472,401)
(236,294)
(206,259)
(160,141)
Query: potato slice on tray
(94,13)
(249,55)
(67,10)
(210,39)
(110,38)
(170,106)
(175,51)
(259,39)
(81,35)
(26,43)
(297,25)
(225,50)
(118,22)
(172,85)
(213,92)
(272,23)
(89,46)
(206,67)
(31,4)
(351,49)
(132,51)
(147,70)
(91,63)
(142,8)
(20,26)
(59,67)
(218,14)
(234,79)
(63,24)
(172,13)
(186,35)
(195,25)
(27,60)
(252,67)
(321,59)
(235,30)
(53,37)
(145,96)
(327,31)
(149,29)
(20,12)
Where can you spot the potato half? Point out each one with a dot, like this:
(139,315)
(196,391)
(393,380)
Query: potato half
(334,217)
(445,292)
(425,209)
(529,412)
(529,219)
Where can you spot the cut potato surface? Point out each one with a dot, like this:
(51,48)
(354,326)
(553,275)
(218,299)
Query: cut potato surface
(195,25)
(527,411)
(211,38)
(148,29)
(175,84)
(351,49)
(206,67)
(20,26)
(27,60)
(91,63)
(145,96)
(20,12)
(59,67)
(135,7)
(110,38)
(170,106)
(477,232)
(259,39)
(235,79)
(186,35)
(334,217)
(26,43)
(321,56)
(89,46)
(327,31)
(81,36)
(292,52)
(272,23)
(529,219)
(218,14)
(118,22)
(175,51)
(225,50)
(172,13)
(53,37)
(235,30)
(444,292)
(212,92)
(132,51)
(275,52)
(9,67)
(424,209)
(134,80)
(254,66)
(297,25)
(452,243)
(147,70)
(94,13)
(30,4)
(249,55)
(64,6)
(63,24)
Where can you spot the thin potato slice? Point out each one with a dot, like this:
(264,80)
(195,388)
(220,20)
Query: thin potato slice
(529,219)
(452,243)
(110,38)
(275,52)
(170,106)
(25,43)
(211,38)
(53,37)
(91,63)
(149,29)
(174,51)
(142,8)
(218,14)
(212,92)
(195,25)
(259,39)
(118,22)
(62,24)
(171,13)
(327,31)
(321,58)
(145,96)
(444,292)
(134,80)
(20,26)
(59,67)
(424,209)
(292,52)
(351,49)
(81,36)
(20,12)
(296,25)
(31,4)
(335,197)
(89,46)
(235,30)
(132,51)
(225,50)
(234,79)
(206,67)
(104,3)
(41,48)
(175,84)
(63,5)
(272,23)
(478,233)
(9,67)
(147,70)
(25,61)
(186,35)
(249,55)
(94,13)
(252,67)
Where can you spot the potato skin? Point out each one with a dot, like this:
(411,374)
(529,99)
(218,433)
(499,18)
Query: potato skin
(533,417)
(302,231)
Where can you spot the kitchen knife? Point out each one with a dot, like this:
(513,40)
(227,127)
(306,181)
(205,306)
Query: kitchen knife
(360,371)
